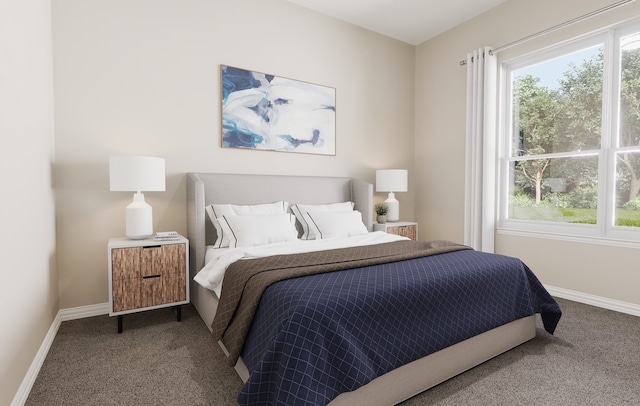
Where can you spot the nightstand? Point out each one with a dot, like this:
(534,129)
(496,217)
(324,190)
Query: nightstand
(147,274)
(404,228)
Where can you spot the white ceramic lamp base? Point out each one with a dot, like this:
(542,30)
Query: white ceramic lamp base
(393,208)
(139,218)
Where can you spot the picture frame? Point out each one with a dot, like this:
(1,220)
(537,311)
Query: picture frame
(267,112)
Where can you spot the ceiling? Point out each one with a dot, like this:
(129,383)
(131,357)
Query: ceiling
(410,21)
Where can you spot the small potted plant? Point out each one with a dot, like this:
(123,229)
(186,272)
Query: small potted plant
(381,211)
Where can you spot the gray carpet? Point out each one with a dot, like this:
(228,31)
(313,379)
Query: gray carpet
(594,359)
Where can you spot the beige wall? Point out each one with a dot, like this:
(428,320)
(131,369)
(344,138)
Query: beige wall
(595,269)
(28,277)
(142,77)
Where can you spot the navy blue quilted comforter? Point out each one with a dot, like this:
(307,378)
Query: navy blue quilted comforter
(318,336)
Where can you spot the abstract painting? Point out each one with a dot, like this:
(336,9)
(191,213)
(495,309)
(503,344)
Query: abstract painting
(267,112)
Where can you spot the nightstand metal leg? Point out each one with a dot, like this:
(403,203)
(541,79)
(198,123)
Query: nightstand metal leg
(179,312)
(119,324)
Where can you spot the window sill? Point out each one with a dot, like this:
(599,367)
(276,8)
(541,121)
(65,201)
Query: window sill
(581,239)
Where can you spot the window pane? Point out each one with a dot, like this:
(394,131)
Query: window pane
(630,91)
(557,104)
(558,189)
(628,189)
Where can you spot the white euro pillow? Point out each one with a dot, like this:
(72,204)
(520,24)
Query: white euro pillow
(215,211)
(301,210)
(328,224)
(252,230)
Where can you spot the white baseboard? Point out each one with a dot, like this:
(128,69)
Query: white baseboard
(29,379)
(593,300)
(63,315)
(84,311)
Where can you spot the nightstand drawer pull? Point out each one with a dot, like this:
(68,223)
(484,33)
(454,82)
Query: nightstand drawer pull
(151,276)
(151,246)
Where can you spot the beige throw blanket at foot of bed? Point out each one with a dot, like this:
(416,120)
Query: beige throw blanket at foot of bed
(245,280)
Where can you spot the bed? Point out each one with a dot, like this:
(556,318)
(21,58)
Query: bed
(389,385)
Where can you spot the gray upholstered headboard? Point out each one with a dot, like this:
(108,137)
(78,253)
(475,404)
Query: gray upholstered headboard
(207,188)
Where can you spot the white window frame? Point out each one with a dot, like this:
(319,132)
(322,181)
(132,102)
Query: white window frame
(604,231)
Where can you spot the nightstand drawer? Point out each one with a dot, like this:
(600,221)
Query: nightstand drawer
(126,294)
(125,263)
(174,287)
(151,293)
(174,257)
(151,261)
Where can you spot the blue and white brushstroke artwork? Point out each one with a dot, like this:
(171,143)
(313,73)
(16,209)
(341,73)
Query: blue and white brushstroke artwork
(267,112)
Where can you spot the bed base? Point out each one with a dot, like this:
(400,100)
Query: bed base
(427,372)
(391,388)
(416,376)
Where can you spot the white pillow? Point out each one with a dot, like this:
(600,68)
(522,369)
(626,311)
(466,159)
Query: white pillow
(336,224)
(248,231)
(214,211)
(301,210)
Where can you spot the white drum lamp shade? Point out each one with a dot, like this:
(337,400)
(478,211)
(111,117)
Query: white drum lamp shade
(392,180)
(132,173)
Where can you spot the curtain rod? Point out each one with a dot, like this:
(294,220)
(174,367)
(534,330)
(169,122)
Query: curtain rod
(556,27)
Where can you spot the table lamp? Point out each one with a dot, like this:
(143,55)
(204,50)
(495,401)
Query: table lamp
(137,174)
(392,180)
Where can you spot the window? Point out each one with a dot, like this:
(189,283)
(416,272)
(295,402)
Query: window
(570,161)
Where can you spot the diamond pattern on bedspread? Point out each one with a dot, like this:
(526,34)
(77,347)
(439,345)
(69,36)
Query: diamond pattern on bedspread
(245,281)
(321,335)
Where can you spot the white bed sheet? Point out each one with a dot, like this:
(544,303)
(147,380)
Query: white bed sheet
(217,260)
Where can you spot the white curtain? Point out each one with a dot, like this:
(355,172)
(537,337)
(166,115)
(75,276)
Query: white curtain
(481,158)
